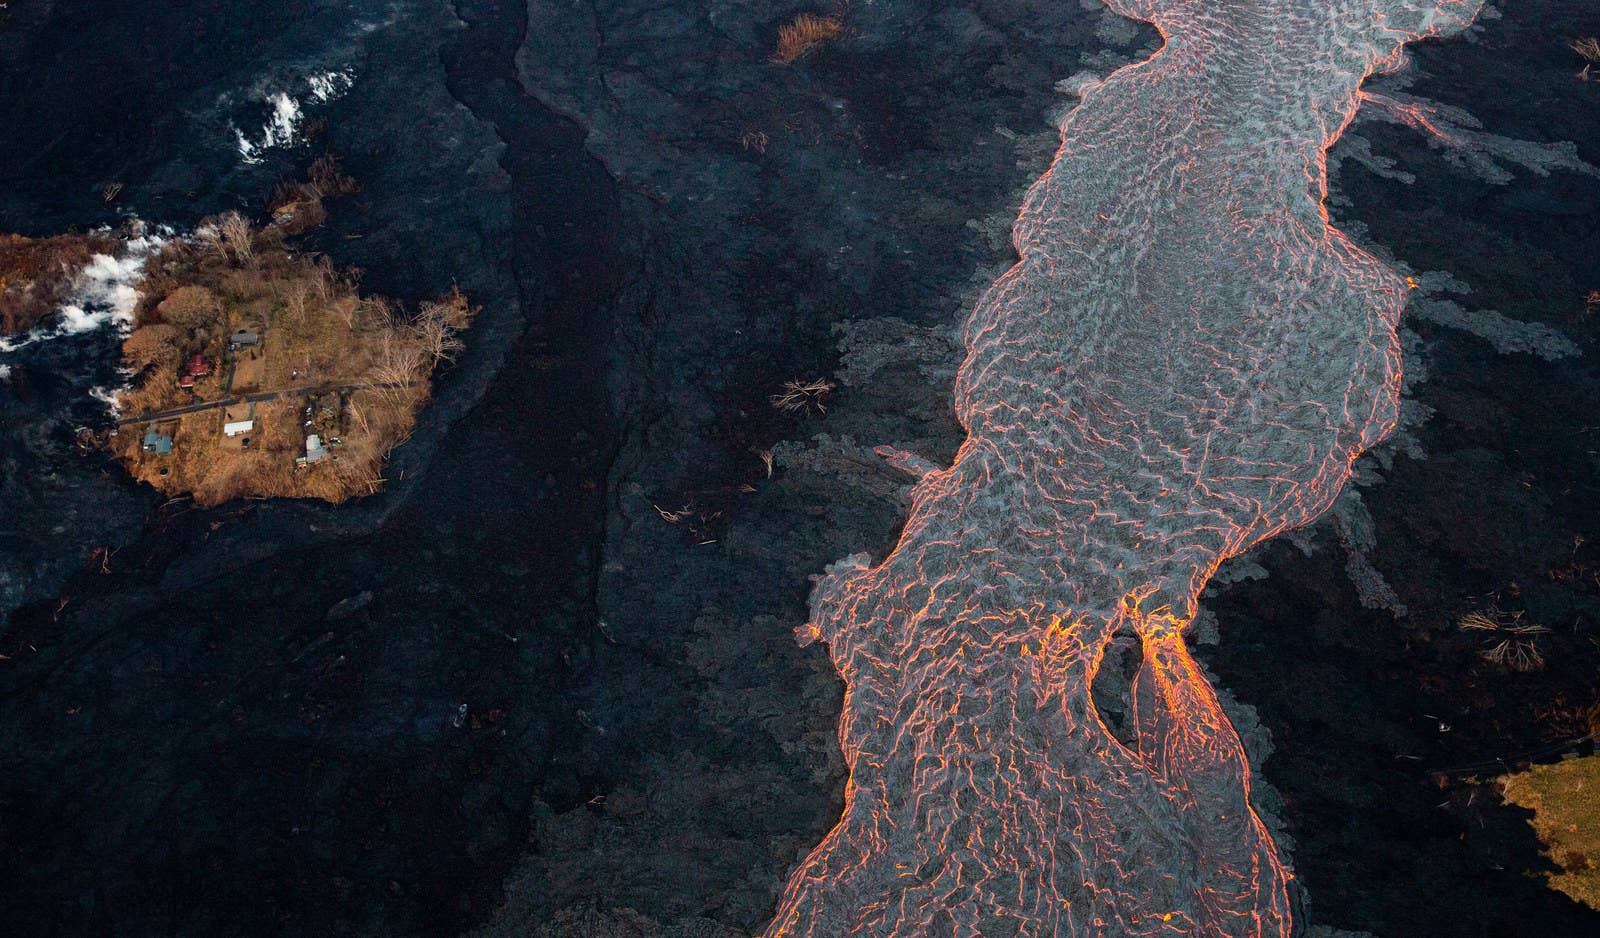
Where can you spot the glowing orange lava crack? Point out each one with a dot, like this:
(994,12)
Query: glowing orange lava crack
(1185,361)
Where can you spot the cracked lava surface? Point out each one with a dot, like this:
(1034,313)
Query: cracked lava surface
(1184,362)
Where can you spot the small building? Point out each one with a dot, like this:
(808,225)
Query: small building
(315,451)
(199,365)
(186,382)
(238,420)
(158,443)
(242,339)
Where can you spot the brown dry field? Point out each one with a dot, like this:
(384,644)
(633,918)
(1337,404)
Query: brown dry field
(316,331)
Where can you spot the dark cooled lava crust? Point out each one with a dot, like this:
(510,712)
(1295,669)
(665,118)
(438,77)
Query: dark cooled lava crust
(1388,732)
(249,725)
(253,723)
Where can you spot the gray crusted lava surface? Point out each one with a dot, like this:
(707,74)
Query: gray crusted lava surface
(1186,360)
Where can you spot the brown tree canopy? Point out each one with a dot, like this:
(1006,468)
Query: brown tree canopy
(190,308)
(152,345)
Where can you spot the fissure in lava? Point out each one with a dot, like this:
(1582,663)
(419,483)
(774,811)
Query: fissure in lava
(1185,361)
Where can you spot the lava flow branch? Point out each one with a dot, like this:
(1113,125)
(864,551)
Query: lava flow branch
(1185,361)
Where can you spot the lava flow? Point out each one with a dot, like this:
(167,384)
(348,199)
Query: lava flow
(1185,361)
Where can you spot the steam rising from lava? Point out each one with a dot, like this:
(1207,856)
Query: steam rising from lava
(1185,361)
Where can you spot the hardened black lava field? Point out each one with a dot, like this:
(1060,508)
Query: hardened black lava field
(548,682)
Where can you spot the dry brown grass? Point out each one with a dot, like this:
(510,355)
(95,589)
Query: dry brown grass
(36,275)
(212,469)
(316,331)
(804,35)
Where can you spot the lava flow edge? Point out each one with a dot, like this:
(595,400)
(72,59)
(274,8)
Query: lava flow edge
(1185,361)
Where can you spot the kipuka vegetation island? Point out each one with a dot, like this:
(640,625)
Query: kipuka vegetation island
(254,370)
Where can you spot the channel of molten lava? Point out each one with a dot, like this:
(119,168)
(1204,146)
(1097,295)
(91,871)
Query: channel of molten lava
(1186,360)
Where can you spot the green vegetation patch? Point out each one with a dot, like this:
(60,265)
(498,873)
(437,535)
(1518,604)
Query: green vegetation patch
(1565,800)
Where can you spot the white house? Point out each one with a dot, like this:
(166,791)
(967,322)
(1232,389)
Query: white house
(237,419)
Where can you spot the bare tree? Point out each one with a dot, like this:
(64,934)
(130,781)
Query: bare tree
(327,281)
(238,238)
(210,238)
(296,294)
(372,312)
(438,338)
(439,324)
(400,364)
(358,416)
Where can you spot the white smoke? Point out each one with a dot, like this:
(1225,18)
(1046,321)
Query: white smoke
(286,112)
(104,292)
(111,397)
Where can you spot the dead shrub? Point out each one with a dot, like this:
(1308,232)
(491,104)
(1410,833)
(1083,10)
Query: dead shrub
(330,178)
(1588,49)
(1509,641)
(804,35)
(296,207)
(803,396)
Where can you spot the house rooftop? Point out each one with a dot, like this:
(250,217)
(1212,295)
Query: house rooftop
(315,450)
(238,418)
(158,443)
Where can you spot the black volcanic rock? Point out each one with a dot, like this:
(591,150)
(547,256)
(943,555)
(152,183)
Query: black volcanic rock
(545,666)
(559,714)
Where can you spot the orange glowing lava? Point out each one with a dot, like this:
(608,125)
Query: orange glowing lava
(1185,361)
